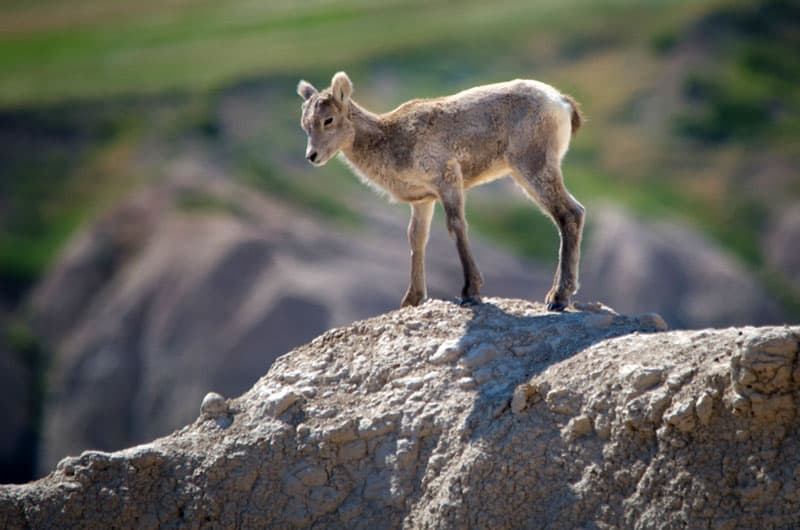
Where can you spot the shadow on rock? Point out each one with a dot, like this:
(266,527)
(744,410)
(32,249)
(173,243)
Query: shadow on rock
(501,350)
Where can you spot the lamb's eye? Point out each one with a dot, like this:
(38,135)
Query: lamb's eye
(327,121)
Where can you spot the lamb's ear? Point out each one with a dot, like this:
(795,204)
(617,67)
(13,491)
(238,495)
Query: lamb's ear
(306,90)
(342,87)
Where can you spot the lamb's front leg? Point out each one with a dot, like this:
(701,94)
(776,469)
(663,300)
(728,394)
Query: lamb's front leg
(418,230)
(452,196)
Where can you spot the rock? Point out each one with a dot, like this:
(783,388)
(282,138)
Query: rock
(579,426)
(480,355)
(214,405)
(447,352)
(682,416)
(781,243)
(763,374)
(276,403)
(370,427)
(312,476)
(353,450)
(704,408)
(676,444)
(765,362)
(595,307)
(519,400)
(563,401)
(600,320)
(465,383)
(643,378)
(672,269)
(644,413)
(654,321)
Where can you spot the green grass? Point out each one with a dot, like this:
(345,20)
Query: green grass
(73,174)
(203,44)
(36,220)
(48,53)
(749,92)
(605,53)
(24,256)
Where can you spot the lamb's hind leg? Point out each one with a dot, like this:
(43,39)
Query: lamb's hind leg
(546,186)
(451,193)
(418,230)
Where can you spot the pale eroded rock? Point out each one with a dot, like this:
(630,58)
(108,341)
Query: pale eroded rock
(365,427)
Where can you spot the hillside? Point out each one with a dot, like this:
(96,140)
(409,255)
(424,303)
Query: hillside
(127,309)
(501,415)
(101,103)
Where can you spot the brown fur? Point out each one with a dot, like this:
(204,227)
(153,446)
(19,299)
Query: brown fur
(436,149)
(576,119)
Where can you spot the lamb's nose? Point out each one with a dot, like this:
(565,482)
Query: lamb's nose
(312,157)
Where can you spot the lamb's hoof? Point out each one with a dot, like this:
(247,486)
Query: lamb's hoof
(469,301)
(411,300)
(556,306)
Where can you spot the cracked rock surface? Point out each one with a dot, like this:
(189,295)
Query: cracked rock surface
(495,416)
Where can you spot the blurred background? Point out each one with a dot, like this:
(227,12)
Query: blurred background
(162,236)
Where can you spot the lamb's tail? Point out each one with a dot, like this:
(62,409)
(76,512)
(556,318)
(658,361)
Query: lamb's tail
(577,118)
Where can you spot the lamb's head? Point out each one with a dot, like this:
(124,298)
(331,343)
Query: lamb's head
(326,118)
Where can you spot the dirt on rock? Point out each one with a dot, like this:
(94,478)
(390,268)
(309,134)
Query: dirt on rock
(499,415)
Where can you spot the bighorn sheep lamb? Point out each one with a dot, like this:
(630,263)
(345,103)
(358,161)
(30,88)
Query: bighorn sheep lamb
(436,149)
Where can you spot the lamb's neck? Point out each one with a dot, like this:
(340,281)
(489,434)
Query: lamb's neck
(368,137)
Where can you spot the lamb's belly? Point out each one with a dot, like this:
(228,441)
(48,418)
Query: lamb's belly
(408,192)
(413,196)
(495,172)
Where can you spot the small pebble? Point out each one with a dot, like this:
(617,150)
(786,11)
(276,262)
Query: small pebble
(653,320)
(213,405)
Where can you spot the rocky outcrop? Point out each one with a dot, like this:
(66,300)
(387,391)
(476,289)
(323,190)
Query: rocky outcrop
(781,245)
(499,415)
(667,267)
